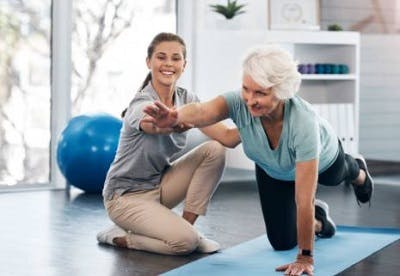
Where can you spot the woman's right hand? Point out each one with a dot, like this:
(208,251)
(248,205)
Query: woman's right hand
(161,115)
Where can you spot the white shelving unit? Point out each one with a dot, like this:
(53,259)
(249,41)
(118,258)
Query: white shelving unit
(334,96)
(217,68)
(328,77)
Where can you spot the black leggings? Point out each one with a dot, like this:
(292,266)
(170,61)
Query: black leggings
(278,199)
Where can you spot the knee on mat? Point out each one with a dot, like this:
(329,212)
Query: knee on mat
(283,245)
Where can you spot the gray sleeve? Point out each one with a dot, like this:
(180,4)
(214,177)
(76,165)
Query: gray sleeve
(195,99)
(187,97)
(135,113)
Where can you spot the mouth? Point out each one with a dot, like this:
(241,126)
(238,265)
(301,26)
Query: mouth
(255,107)
(167,73)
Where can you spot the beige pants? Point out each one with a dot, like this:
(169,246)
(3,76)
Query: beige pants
(147,215)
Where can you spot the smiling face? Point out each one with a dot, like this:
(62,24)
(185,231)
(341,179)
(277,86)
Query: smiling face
(261,102)
(166,63)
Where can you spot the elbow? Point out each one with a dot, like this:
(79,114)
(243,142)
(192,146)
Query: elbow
(234,138)
(227,145)
(231,144)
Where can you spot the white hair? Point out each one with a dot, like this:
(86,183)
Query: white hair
(272,66)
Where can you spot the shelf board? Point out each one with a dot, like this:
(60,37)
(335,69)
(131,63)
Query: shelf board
(328,77)
(274,36)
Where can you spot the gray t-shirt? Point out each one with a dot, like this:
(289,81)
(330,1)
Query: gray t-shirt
(141,158)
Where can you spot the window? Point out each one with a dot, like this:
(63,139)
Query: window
(24,92)
(109,45)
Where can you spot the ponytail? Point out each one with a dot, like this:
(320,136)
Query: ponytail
(123,112)
(145,82)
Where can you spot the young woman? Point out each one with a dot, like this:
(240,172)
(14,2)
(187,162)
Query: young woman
(142,185)
(293,148)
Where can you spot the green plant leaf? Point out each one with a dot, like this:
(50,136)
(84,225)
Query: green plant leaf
(230,10)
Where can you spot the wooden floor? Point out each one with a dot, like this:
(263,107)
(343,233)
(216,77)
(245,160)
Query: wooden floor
(53,233)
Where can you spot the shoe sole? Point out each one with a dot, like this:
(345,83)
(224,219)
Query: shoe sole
(360,157)
(325,207)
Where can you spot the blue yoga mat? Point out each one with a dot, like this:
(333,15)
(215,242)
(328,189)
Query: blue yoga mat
(256,257)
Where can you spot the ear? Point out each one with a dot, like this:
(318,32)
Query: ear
(184,65)
(148,63)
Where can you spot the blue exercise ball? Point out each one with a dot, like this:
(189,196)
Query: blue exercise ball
(86,148)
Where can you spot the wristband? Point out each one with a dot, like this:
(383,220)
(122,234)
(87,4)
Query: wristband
(306,252)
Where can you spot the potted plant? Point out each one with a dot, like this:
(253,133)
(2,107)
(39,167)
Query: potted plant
(230,10)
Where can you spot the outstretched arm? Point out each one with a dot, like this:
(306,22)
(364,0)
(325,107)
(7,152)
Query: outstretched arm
(206,115)
(227,136)
(150,128)
(194,114)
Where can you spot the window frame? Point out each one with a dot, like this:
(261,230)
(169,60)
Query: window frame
(60,82)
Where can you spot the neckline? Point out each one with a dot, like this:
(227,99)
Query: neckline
(283,133)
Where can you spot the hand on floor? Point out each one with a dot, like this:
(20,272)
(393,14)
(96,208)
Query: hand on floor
(301,265)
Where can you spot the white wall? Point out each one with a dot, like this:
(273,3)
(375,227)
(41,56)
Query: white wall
(374,16)
(380,97)
(380,61)
(380,70)
(200,27)
(195,18)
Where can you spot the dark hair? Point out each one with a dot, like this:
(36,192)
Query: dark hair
(161,37)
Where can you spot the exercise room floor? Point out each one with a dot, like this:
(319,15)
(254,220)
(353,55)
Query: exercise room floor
(53,233)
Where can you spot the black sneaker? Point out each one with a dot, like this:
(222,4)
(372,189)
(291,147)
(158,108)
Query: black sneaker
(364,192)
(322,215)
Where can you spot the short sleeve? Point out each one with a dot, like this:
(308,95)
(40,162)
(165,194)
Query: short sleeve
(193,99)
(237,110)
(135,112)
(307,142)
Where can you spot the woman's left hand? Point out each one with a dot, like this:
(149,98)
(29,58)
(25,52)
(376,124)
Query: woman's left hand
(300,266)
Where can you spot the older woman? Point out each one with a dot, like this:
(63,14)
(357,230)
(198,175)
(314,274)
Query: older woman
(293,148)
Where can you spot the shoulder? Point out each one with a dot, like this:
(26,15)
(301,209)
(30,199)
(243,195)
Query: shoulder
(142,96)
(232,95)
(233,100)
(185,96)
(302,120)
(301,111)
(237,109)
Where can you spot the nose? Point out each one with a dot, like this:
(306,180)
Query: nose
(168,62)
(250,100)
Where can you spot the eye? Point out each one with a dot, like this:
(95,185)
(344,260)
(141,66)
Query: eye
(161,57)
(176,57)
